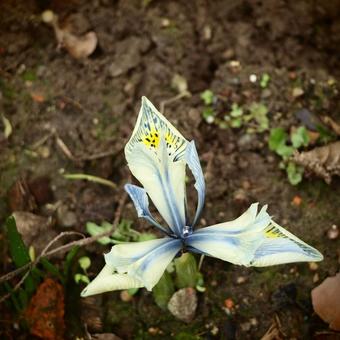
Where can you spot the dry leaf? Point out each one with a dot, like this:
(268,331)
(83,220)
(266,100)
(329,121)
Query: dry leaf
(37,97)
(326,301)
(79,47)
(35,230)
(45,313)
(332,124)
(323,161)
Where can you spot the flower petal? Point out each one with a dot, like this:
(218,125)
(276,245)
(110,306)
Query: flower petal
(141,202)
(257,242)
(150,268)
(155,155)
(193,162)
(280,246)
(107,281)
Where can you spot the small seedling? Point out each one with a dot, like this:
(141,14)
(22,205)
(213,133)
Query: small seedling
(281,144)
(265,79)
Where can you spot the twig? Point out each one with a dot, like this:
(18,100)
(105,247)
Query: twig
(33,264)
(64,148)
(63,248)
(200,262)
(173,99)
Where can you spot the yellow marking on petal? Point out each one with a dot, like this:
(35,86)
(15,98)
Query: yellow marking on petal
(151,140)
(272,232)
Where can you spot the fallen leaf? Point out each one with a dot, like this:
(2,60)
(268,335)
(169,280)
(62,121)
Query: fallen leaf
(332,124)
(45,313)
(20,197)
(35,230)
(37,97)
(183,304)
(79,47)
(326,301)
(323,161)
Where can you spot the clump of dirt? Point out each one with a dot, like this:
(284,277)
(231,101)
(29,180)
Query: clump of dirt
(72,115)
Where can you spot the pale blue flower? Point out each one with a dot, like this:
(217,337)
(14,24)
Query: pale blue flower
(157,155)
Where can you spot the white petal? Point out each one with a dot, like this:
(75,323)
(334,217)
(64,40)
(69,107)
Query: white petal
(257,242)
(124,254)
(193,162)
(280,246)
(155,155)
(107,281)
(151,267)
(141,202)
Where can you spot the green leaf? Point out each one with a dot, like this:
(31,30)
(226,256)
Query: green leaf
(208,97)
(17,247)
(300,137)
(132,291)
(52,269)
(19,253)
(146,237)
(186,271)
(294,173)
(285,151)
(200,283)
(208,112)
(84,263)
(258,112)
(236,111)
(81,278)
(163,290)
(69,258)
(265,78)
(277,138)
(236,122)
(94,229)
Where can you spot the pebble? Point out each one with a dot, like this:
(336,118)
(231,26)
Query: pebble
(313,266)
(241,279)
(66,218)
(183,304)
(125,296)
(297,92)
(316,278)
(333,232)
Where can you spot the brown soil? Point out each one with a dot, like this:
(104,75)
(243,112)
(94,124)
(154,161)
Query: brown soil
(91,106)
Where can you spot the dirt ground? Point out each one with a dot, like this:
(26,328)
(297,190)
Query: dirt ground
(72,115)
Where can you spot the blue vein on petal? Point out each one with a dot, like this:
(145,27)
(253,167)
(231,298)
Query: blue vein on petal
(193,162)
(141,202)
(177,221)
(153,255)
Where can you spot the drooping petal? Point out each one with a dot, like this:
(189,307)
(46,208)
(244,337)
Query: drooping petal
(252,240)
(155,155)
(107,281)
(141,202)
(150,268)
(124,254)
(193,162)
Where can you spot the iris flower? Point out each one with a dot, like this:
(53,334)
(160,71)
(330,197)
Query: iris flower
(157,155)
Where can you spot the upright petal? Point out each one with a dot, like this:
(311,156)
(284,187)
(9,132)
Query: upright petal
(155,155)
(107,281)
(141,202)
(193,162)
(252,240)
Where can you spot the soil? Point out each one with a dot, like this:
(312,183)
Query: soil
(75,116)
